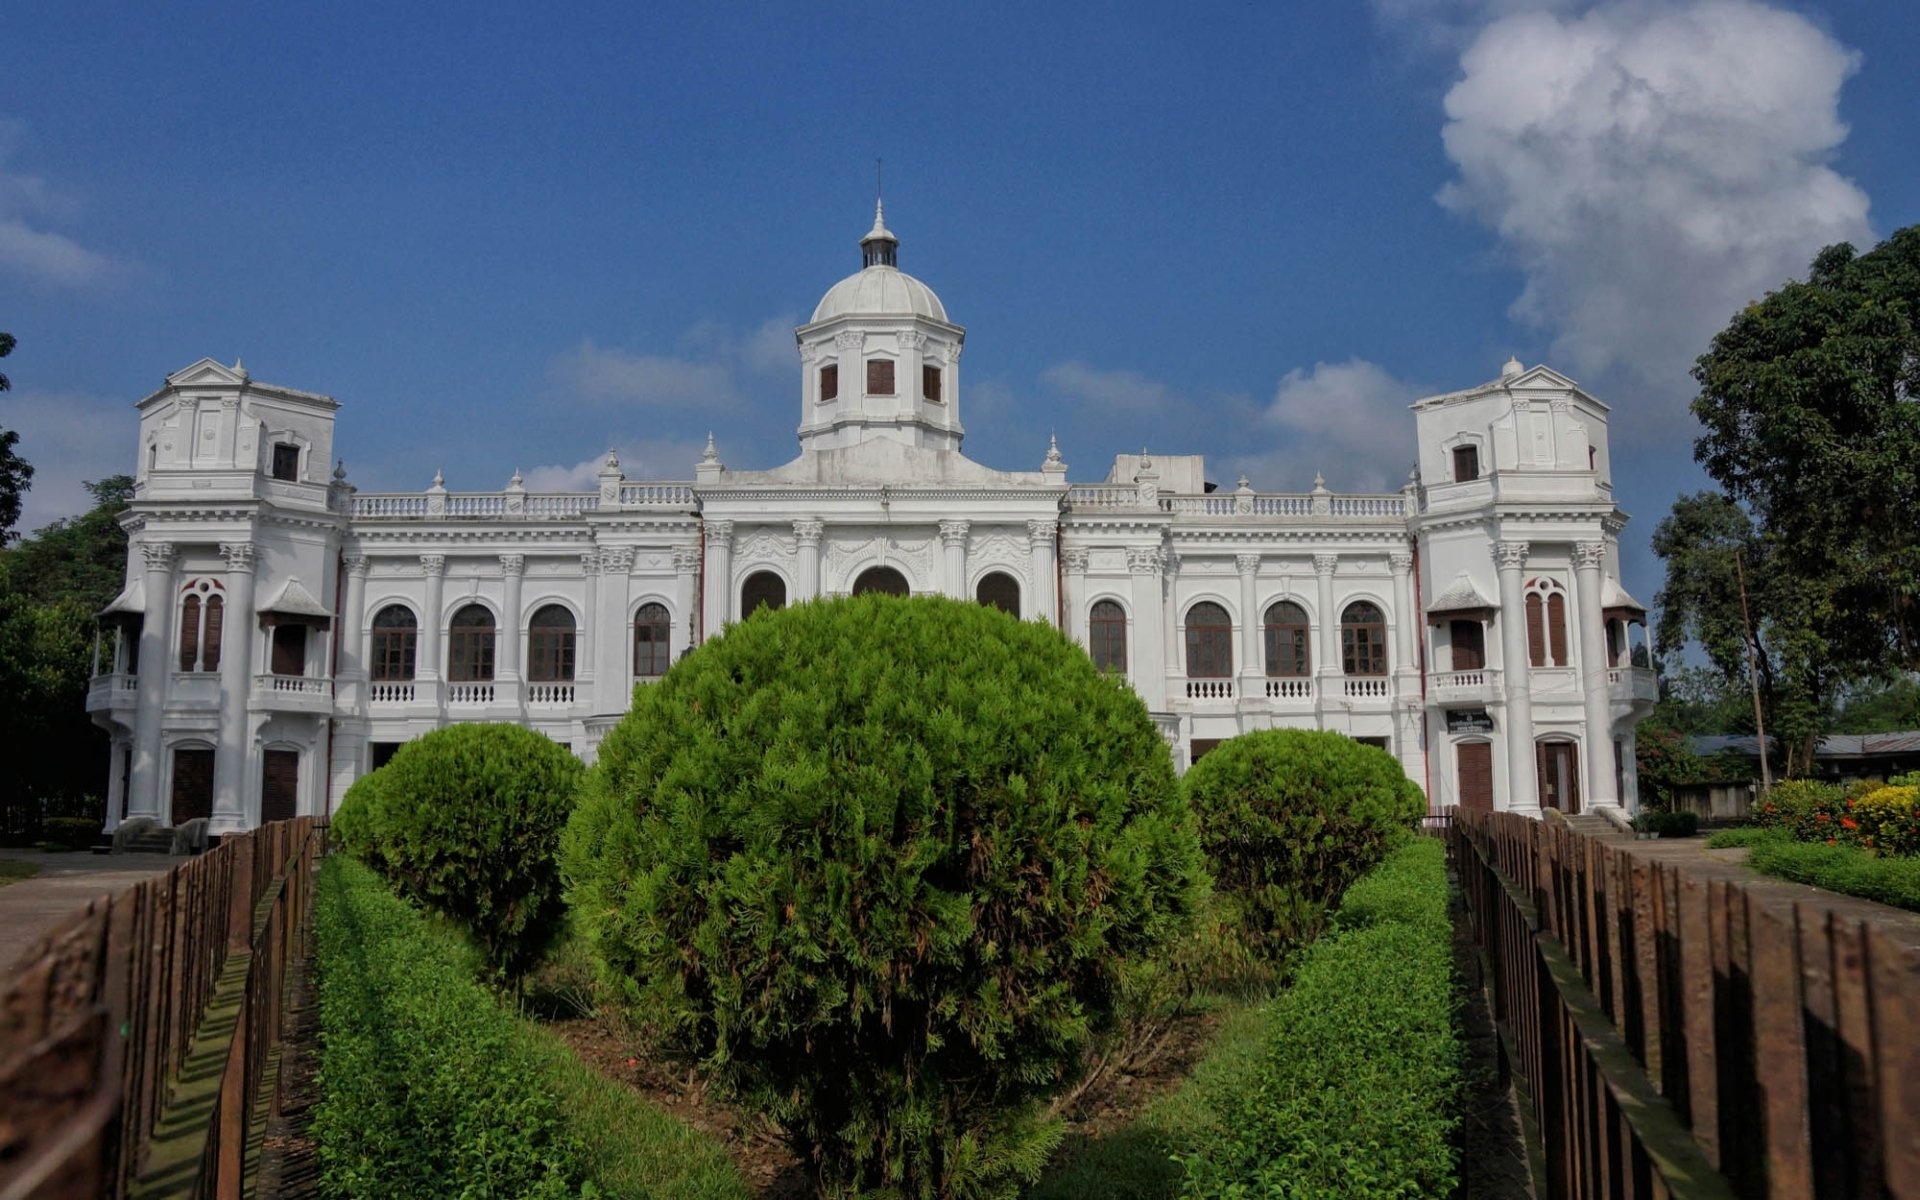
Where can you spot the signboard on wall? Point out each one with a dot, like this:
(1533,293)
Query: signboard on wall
(1469,720)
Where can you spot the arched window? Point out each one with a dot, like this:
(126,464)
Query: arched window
(1546,623)
(1209,641)
(1287,640)
(652,653)
(997,589)
(885,580)
(1363,639)
(202,613)
(395,636)
(470,645)
(1107,629)
(550,641)
(763,589)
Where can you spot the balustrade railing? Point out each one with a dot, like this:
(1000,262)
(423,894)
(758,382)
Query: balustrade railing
(1209,689)
(470,693)
(1234,504)
(550,693)
(299,684)
(1293,688)
(678,495)
(513,505)
(1366,687)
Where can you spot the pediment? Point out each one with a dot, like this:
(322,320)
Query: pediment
(208,373)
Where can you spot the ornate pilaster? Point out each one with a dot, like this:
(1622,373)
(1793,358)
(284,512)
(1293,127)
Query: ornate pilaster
(433,618)
(230,759)
(1149,655)
(1074,560)
(1251,641)
(1328,619)
(953,542)
(352,632)
(513,567)
(1523,793)
(686,580)
(719,581)
(156,636)
(1041,540)
(807,533)
(1588,558)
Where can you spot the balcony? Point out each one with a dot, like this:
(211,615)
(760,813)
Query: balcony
(1366,687)
(293,694)
(393,693)
(1633,685)
(550,695)
(113,691)
(1209,689)
(1288,690)
(1480,687)
(472,695)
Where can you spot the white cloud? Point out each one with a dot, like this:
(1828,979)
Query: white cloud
(29,249)
(1126,391)
(1348,419)
(71,439)
(654,459)
(1651,167)
(1451,24)
(609,376)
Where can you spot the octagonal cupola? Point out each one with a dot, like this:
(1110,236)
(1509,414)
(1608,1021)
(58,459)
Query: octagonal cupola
(879,359)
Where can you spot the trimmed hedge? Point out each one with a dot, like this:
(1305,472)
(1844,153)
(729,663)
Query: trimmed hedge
(1358,1092)
(879,865)
(466,822)
(1289,817)
(71,833)
(1839,868)
(430,1089)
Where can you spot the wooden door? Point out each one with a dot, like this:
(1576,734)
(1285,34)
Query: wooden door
(1476,775)
(279,785)
(1560,776)
(192,785)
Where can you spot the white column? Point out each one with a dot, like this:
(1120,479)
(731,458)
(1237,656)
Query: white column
(1174,654)
(1074,558)
(953,542)
(353,638)
(806,535)
(116,782)
(1040,536)
(1329,622)
(239,631)
(1409,744)
(512,568)
(686,571)
(1148,652)
(427,660)
(156,666)
(1587,559)
(1251,636)
(1522,788)
(586,648)
(719,579)
(610,658)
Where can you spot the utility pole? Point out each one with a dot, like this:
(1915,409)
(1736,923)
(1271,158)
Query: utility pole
(1753,676)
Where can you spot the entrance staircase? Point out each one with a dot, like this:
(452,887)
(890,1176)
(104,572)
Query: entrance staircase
(156,840)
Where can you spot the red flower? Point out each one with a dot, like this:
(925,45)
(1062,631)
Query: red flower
(1849,823)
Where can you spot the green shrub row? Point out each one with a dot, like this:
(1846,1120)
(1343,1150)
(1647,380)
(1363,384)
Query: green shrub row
(1838,868)
(1668,824)
(71,833)
(430,1089)
(466,822)
(1357,1092)
(1868,813)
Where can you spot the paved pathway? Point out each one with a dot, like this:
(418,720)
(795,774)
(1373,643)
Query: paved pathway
(35,907)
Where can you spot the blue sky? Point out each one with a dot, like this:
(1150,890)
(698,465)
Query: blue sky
(511,240)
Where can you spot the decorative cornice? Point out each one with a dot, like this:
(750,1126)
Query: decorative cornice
(1511,556)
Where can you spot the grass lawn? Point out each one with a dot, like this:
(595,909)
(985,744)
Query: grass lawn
(1845,869)
(13,871)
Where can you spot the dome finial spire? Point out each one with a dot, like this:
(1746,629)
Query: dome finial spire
(879,248)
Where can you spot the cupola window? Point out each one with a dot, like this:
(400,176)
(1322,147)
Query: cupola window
(1466,464)
(286,461)
(829,382)
(930,383)
(879,377)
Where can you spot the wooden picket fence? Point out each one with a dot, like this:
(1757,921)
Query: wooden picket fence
(1682,1028)
(135,1041)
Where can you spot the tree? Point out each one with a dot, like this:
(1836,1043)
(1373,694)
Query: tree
(16,474)
(1708,543)
(879,864)
(1811,403)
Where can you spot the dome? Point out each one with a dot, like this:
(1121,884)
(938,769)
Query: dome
(881,288)
(877,292)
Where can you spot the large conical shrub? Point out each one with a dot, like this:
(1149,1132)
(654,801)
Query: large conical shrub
(876,864)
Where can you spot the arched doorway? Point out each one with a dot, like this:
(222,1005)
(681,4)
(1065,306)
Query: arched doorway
(884,580)
(997,589)
(763,589)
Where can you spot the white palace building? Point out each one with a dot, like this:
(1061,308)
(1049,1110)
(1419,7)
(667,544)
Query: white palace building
(281,633)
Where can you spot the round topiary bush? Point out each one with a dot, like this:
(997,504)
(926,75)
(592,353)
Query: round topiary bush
(1289,817)
(877,864)
(466,822)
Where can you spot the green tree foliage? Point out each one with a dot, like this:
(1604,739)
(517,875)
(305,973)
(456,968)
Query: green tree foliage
(16,474)
(1889,707)
(1706,543)
(1289,817)
(466,822)
(1811,403)
(51,586)
(878,865)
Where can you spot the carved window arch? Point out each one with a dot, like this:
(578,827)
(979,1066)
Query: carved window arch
(1546,623)
(885,580)
(997,589)
(762,589)
(202,617)
(1288,638)
(1107,633)
(470,643)
(550,645)
(1209,641)
(652,636)
(396,639)
(1363,639)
